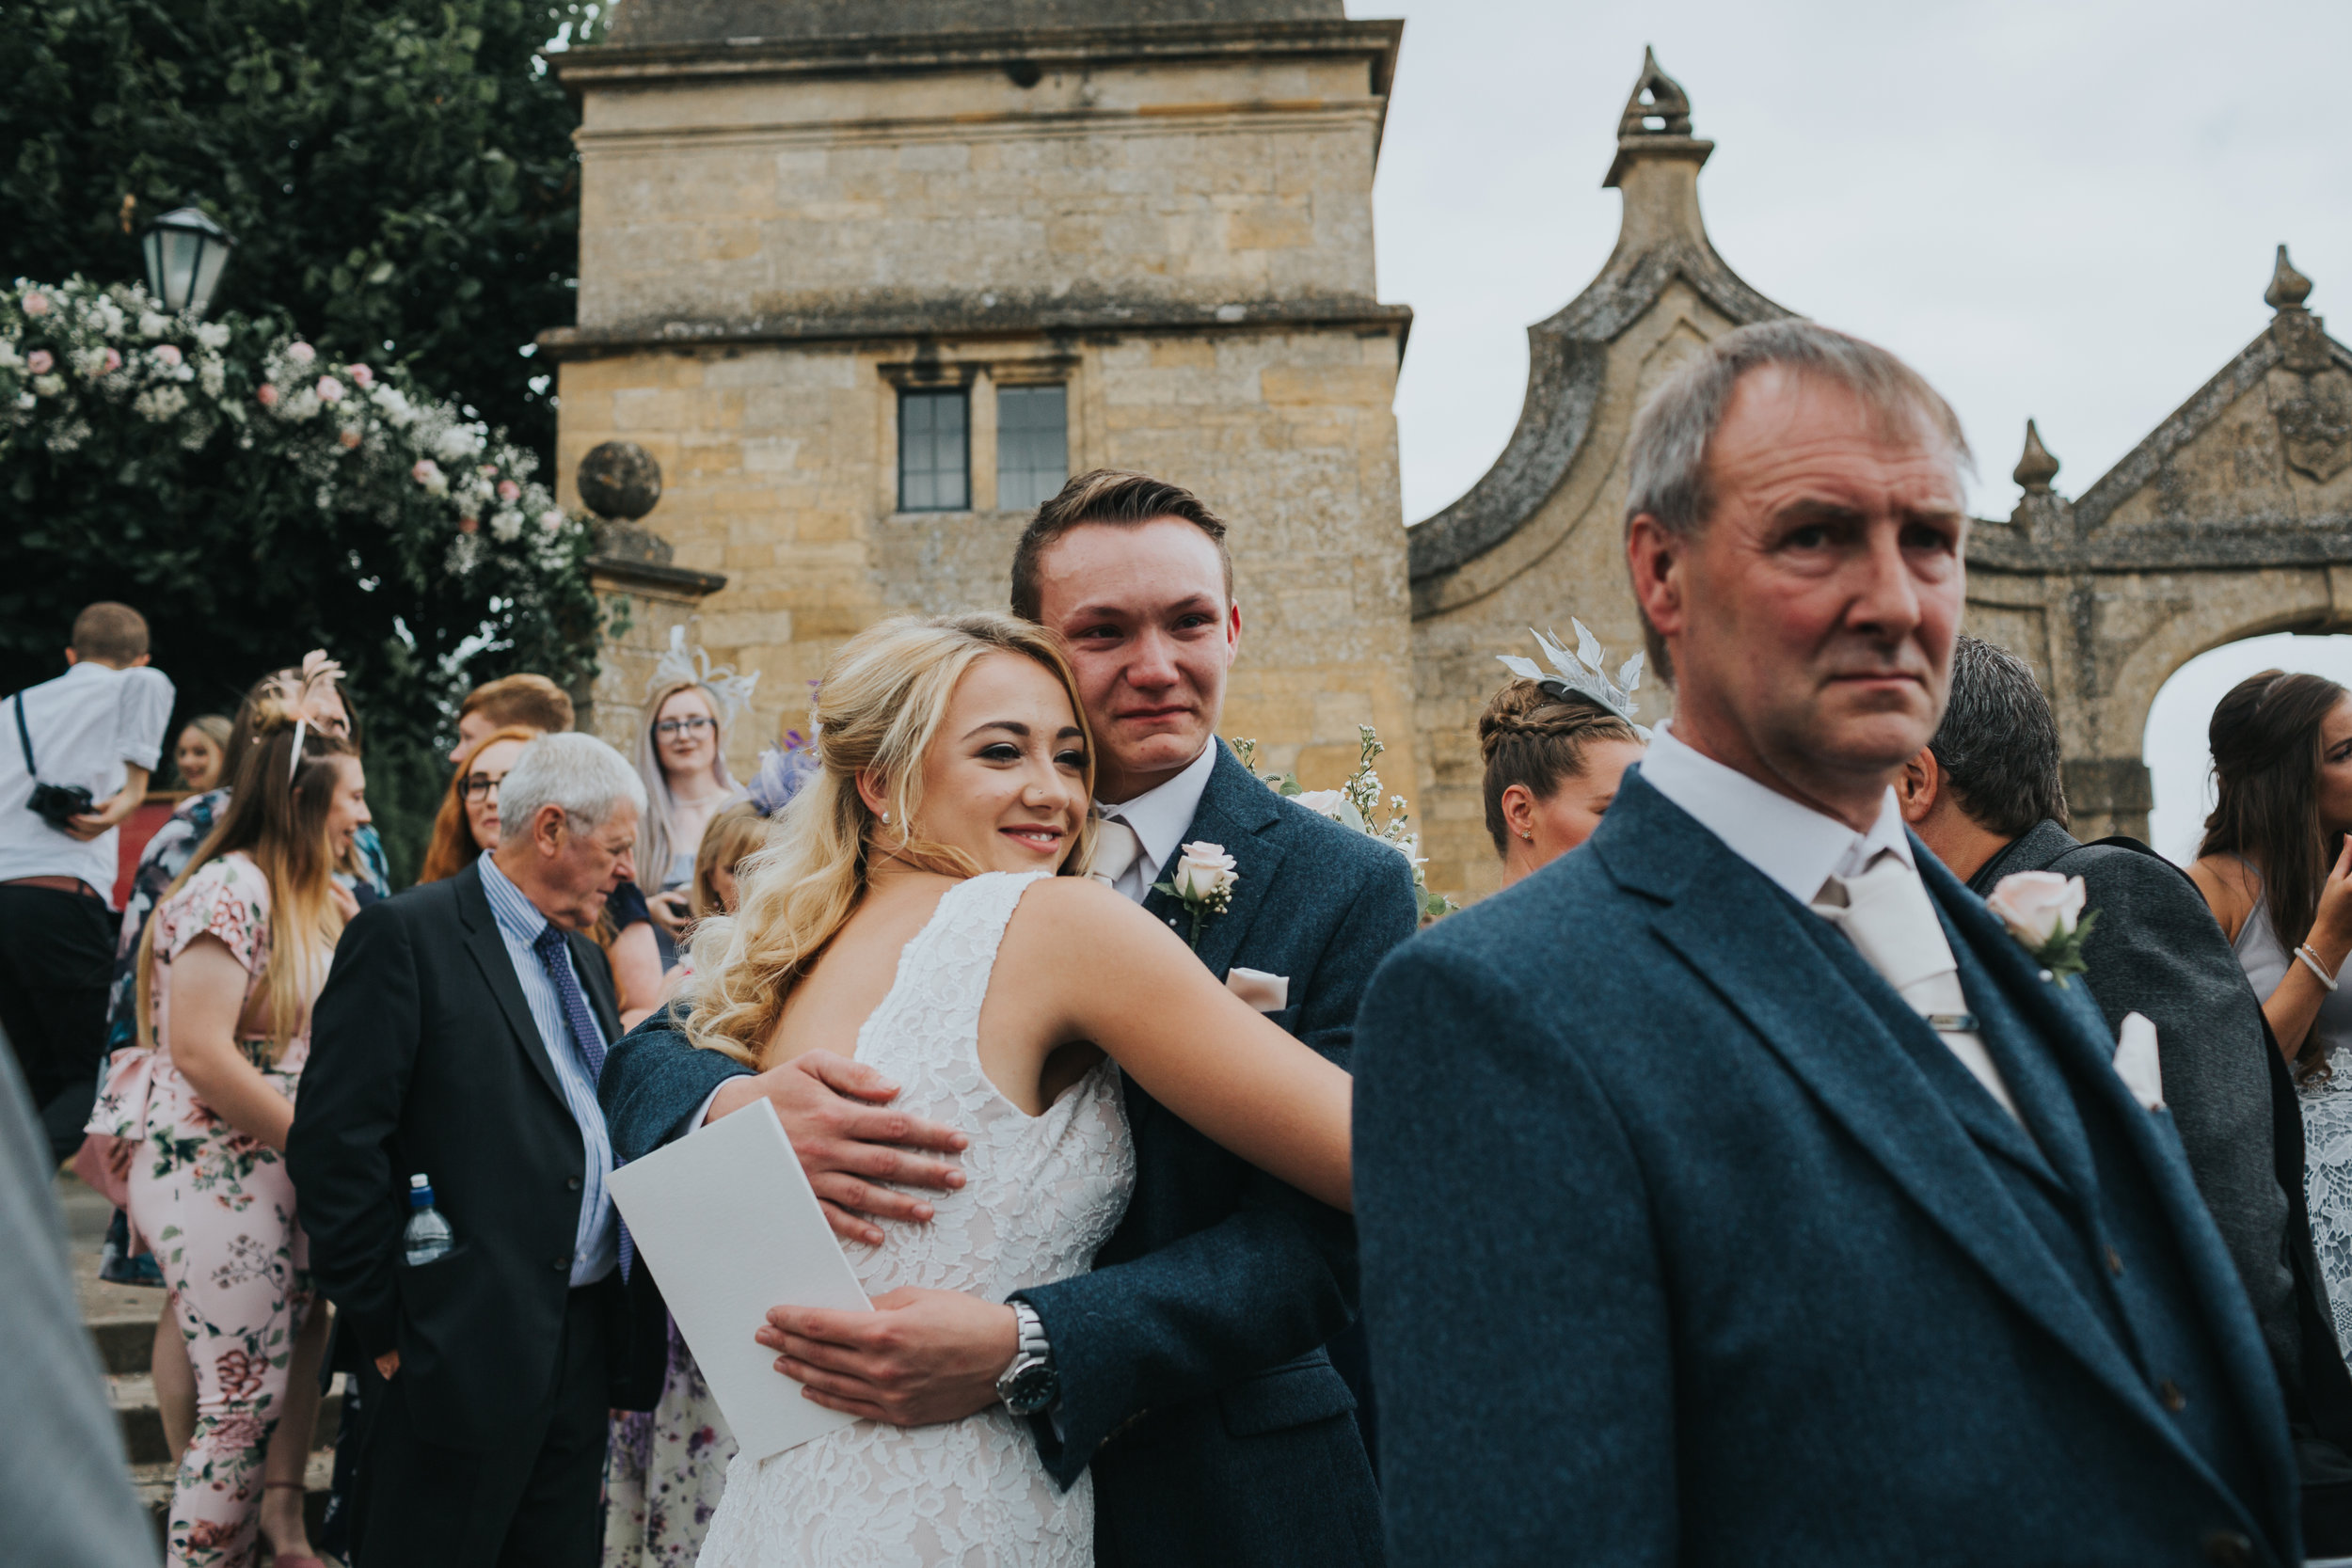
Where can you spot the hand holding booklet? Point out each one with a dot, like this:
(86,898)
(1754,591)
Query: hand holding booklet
(722,1264)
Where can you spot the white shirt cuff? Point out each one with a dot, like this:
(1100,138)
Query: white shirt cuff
(702,1115)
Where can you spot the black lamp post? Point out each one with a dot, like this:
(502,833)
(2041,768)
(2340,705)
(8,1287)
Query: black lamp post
(185,252)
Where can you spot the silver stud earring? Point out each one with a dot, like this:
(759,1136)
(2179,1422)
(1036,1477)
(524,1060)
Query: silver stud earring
(886,819)
(1528,834)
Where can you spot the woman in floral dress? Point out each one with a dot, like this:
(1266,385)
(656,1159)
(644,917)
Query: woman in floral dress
(228,966)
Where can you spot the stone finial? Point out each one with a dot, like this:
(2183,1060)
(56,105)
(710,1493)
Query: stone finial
(2037,467)
(2288,288)
(1667,101)
(619,480)
(1656,96)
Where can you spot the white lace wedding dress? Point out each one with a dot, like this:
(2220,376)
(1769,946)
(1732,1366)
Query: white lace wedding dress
(1041,1195)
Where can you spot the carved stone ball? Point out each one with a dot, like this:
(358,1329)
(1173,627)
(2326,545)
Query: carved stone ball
(620,479)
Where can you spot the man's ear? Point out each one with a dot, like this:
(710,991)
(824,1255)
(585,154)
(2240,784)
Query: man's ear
(72,658)
(1232,633)
(1655,559)
(547,829)
(1920,786)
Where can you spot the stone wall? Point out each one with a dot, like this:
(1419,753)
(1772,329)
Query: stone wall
(1176,222)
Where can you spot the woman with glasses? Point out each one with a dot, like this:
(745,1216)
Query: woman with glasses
(681,754)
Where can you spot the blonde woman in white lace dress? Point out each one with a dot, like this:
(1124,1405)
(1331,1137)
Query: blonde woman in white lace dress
(2277,868)
(909,914)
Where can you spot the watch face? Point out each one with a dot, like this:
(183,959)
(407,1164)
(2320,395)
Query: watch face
(1031,1389)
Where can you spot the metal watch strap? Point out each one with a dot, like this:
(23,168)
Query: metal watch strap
(1034,1345)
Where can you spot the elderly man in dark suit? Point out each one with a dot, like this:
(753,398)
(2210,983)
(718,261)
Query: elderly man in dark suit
(459,1039)
(1987,796)
(1188,1369)
(1736,1189)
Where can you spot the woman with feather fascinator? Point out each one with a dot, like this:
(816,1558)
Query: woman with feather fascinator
(1555,743)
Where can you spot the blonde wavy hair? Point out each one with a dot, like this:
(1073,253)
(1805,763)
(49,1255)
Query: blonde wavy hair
(879,709)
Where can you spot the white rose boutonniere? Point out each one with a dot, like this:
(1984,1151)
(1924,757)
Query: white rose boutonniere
(1203,880)
(2044,911)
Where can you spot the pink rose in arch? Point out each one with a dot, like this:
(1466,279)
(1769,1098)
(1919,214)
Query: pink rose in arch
(40,361)
(301,354)
(468,525)
(114,361)
(361,376)
(349,437)
(330,390)
(268,394)
(427,473)
(167,353)
(37,304)
(551,519)
(508,489)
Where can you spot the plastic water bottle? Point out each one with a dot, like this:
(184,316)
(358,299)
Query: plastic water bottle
(428,1236)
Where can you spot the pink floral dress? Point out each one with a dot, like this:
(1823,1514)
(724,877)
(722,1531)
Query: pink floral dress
(219,1209)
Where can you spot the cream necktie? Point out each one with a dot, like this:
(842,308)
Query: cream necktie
(1116,849)
(1887,916)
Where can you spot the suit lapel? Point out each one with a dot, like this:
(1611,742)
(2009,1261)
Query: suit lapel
(2083,1056)
(1746,940)
(488,950)
(1235,810)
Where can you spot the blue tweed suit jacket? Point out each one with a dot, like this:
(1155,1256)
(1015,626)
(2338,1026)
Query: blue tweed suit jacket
(1684,1241)
(1194,1380)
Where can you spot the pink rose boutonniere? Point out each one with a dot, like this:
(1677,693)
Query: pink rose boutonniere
(2044,911)
(1203,880)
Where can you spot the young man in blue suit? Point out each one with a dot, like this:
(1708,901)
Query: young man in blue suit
(1833,1234)
(1187,1371)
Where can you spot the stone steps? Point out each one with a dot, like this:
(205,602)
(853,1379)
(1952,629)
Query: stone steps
(121,1323)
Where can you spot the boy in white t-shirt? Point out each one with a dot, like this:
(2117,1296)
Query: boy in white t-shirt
(98,728)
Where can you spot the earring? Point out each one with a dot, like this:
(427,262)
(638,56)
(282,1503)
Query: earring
(886,819)
(1528,834)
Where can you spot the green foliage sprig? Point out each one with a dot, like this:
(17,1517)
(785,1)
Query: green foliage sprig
(1352,805)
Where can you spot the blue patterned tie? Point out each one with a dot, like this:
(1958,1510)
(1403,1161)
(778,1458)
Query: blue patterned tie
(587,1037)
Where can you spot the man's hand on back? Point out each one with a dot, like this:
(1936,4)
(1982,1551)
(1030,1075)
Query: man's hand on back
(920,1357)
(115,810)
(834,1112)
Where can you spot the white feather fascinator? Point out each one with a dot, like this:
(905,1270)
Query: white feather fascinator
(1581,673)
(678,665)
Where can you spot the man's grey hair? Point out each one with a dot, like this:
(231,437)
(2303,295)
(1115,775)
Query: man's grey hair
(1666,454)
(1998,744)
(578,773)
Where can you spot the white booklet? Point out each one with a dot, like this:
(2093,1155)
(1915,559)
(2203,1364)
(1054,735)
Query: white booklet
(722,1257)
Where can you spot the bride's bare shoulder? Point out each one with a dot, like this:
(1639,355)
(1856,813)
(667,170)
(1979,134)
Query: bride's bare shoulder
(1065,908)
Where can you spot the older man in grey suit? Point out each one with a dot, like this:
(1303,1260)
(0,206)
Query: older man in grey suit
(1987,796)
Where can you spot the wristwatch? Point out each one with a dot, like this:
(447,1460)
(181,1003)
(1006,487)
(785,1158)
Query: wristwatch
(1029,1384)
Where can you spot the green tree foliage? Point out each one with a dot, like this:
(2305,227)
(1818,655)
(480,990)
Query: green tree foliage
(400,179)
(398,174)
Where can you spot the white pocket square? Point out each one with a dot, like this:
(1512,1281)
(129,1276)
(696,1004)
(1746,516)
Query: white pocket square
(1268,993)
(2137,1063)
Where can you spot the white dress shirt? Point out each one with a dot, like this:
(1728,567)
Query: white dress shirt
(84,726)
(1159,816)
(1799,849)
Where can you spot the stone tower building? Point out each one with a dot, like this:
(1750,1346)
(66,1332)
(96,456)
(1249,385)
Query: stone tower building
(870,278)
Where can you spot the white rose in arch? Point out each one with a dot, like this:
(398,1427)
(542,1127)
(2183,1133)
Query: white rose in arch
(2039,905)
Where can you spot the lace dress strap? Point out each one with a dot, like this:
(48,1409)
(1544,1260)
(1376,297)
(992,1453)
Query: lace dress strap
(943,973)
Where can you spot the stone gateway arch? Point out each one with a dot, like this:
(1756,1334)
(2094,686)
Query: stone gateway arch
(2232,518)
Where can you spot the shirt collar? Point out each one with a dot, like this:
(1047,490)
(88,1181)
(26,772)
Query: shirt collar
(517,916)
(1160,815)
(1795,845)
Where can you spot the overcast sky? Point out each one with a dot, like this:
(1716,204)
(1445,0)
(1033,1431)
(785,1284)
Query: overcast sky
(2064,209)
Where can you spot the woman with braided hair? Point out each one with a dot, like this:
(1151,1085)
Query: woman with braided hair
(1554,761)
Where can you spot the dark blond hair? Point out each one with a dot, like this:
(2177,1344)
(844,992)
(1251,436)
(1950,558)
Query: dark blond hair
(733,837)
(1532,736)
(532,702)
(1119,499)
